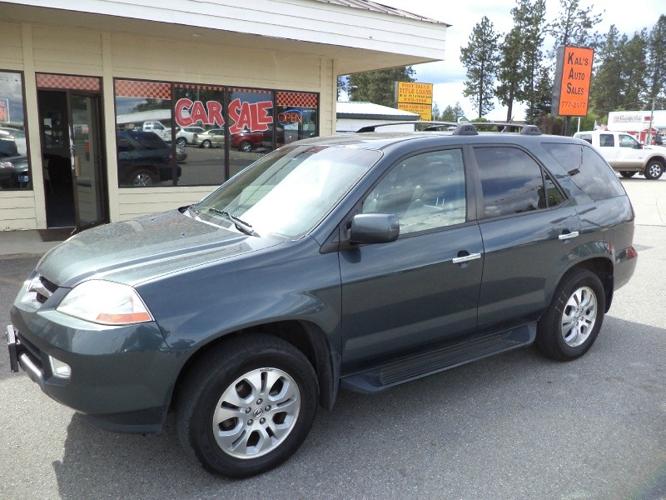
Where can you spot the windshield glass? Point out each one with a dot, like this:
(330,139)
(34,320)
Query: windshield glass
(290,190)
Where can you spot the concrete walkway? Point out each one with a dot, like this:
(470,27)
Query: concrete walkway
(23,243)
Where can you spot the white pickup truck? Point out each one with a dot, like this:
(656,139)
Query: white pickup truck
(625,154)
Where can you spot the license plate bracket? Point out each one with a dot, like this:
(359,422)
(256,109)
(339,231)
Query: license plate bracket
(13,345)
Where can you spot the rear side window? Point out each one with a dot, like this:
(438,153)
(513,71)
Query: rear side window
(587,169)
(586,137)
(511,181)
(606,140)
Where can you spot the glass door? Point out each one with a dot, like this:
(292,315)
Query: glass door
(86,158)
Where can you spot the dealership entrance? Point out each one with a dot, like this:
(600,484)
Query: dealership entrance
(72,153)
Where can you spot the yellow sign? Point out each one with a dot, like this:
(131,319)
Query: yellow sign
(413,92)
(424,110)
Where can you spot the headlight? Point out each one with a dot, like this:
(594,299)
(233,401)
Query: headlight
(105,302)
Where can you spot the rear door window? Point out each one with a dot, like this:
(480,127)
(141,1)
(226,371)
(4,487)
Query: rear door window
(606,140)
(511,181)
(588,170)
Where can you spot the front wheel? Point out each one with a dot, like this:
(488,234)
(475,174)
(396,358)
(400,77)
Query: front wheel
(626,174)
(206,144)
(571,323)
(245,146)
(247,405)
(654,170)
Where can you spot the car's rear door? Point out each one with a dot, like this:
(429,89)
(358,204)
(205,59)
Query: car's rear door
(527,225)
(402,296)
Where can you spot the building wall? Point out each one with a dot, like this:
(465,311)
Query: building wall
(35,48)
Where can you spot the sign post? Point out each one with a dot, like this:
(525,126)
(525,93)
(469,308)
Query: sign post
(415,98)
(571,89)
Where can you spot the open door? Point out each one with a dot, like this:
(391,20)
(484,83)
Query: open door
(72,151)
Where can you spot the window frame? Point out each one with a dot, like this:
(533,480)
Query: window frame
(543,169)
(470,193)
(226,90)
(28,152)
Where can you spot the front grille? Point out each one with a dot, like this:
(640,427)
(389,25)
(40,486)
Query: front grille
(43,288)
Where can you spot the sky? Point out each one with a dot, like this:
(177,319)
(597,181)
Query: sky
(448,75)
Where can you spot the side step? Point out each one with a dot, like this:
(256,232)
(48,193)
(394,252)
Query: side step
(440,359)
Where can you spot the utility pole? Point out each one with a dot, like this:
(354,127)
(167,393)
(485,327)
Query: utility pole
(649,136)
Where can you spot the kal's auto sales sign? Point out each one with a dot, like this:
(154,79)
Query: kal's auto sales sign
(243,115)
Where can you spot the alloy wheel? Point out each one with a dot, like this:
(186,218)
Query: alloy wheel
(579,316)
(256,413)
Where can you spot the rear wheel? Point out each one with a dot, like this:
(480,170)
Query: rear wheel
(626,174)
(247,405)
(143,177)
(245,146)
(571,323)
(206,144)
(654,169)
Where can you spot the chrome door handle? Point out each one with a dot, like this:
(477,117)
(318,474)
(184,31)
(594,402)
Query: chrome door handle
(466,258)
(568,236)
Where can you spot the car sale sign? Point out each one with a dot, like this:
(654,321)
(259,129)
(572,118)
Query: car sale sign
(571,92)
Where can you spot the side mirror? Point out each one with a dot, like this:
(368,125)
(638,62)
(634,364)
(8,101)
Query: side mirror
(374,228)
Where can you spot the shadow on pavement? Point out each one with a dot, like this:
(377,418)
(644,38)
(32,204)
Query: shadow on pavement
(490,414)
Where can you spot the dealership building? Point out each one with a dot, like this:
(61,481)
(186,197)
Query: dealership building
(110,109)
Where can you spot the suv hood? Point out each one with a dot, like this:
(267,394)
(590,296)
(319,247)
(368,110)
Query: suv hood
(141,249)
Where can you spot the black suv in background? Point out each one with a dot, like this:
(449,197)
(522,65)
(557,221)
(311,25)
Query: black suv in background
(362,261)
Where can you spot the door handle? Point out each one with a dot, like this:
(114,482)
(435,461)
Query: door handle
(568,236)
(466,258)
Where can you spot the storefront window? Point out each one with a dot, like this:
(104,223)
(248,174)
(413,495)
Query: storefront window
(143,134)
(200,134)
(14,162)
(296,114)
(250,114)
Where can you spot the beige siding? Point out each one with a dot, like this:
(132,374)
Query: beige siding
(17,210)
(75,50)
(136,201)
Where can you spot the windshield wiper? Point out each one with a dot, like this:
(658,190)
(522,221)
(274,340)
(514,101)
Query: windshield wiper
(241,225)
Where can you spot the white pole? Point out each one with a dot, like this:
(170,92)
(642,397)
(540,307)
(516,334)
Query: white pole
(578,125)
(649,136)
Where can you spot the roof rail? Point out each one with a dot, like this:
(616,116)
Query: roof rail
(465,129)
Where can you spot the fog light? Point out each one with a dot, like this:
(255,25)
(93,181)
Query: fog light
(59,368)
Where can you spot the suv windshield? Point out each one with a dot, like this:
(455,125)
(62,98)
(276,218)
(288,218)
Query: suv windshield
(290,190)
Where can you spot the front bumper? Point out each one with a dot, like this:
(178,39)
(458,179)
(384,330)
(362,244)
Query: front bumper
(121,376)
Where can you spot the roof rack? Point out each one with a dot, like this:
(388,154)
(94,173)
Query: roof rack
(463,128)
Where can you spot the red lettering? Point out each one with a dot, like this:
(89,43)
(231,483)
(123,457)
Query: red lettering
(263,116)
(182,105)
(234,107)
(199,113)
(215,113)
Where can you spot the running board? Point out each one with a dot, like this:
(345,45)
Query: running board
(426,363)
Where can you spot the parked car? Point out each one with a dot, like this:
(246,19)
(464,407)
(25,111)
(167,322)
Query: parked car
(247,141)
(625,154)
(362,261)
(213,138)
(16,136)
(187,135)
(14,172)
(158,128)
(143,159)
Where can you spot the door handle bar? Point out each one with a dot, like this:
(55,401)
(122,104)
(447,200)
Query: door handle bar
(568,236)
(466,258)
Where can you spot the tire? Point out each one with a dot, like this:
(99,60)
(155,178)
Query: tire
(626,174)
(654,170)
(218,377)
(556,342)
(206,144)
(245,146)
(143,177)
(181,141)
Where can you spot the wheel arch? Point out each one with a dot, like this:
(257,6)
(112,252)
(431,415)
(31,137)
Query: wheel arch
(306,336)
(602,267)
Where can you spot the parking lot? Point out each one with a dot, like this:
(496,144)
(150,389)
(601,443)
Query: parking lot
(512,426)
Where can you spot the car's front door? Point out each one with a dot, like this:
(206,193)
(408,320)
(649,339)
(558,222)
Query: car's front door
(423,288)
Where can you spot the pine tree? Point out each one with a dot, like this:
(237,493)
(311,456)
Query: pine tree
(634,67)
(481,59)
(436,114)
(532,54)
(656,68)
(452,113)
(607,85)
(575,25)
(378,86)
(511,74)
(543,97)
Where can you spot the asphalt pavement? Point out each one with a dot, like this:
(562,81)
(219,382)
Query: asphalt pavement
(513,426)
